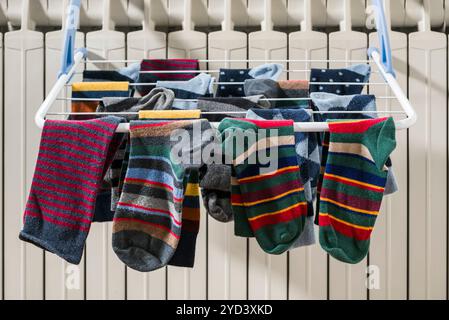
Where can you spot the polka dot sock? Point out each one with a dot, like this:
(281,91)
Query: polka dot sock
(353,74)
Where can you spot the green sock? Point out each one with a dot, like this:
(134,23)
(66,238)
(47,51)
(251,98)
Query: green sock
(273,198)
(353,185)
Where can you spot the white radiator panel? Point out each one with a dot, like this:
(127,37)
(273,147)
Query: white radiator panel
(428,166)
(24,60)
(388,252)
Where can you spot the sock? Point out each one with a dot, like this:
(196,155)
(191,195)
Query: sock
(356,73)
(95,90)
(266,71)
(353,185)
(200,86)
(148,220)
(280,89)
(72,160)
(242,227)
(216,191)
(170,114)
(226,105)
(184,255)
(165,65)
(331,102)
(156,98)
(273,201)
(306,147)
(126,74)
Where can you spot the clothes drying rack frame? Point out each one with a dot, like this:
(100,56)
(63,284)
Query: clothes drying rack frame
(72,58)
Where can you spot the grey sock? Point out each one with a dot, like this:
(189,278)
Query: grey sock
(227,104)
(267,87)
(215,186)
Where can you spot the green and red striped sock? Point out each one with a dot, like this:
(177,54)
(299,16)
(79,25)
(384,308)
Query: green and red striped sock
(353,185)
(271,196)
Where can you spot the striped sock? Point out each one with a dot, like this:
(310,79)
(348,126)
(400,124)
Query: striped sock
(72,161)
(273,201)
(185,252)
(148,219)
(353,185)
(96,90)
(165,65)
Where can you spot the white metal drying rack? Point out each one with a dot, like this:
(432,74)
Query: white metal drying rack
(72,58)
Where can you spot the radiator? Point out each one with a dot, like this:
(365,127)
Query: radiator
(408,258)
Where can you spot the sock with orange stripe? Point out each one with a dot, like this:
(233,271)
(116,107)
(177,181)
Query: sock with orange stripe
(353,185)
(267,172)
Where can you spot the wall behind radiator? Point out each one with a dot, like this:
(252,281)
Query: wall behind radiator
(409,246)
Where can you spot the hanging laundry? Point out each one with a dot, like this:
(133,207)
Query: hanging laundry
(359,73)
(95,90)
(169,114)
(148,220)
(156,99)
(280,89)
(331,102)
(353,185)
(72,160)
(216,191)
(165,65)
(271,199)
(230,105)
(266,71)
(159,98)
(184,255)
(126,74)
(200,86)
(306,146)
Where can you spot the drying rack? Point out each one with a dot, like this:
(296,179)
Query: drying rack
(72,58)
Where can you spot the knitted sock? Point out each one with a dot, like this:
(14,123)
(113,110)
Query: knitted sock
(200,86)
(184,255)
(353,185)
(357,73)
(226,105)
(242,227)
(148,219)
(158,98)
(266,71)
(273,201)
(280,89)
(331,102)
(72,160)
(308,160)
(216,191)
(165,65)
(95,90)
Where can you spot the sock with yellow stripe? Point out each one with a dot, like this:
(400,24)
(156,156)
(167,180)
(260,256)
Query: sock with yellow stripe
(185,252)
(353,185)
(271,194)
